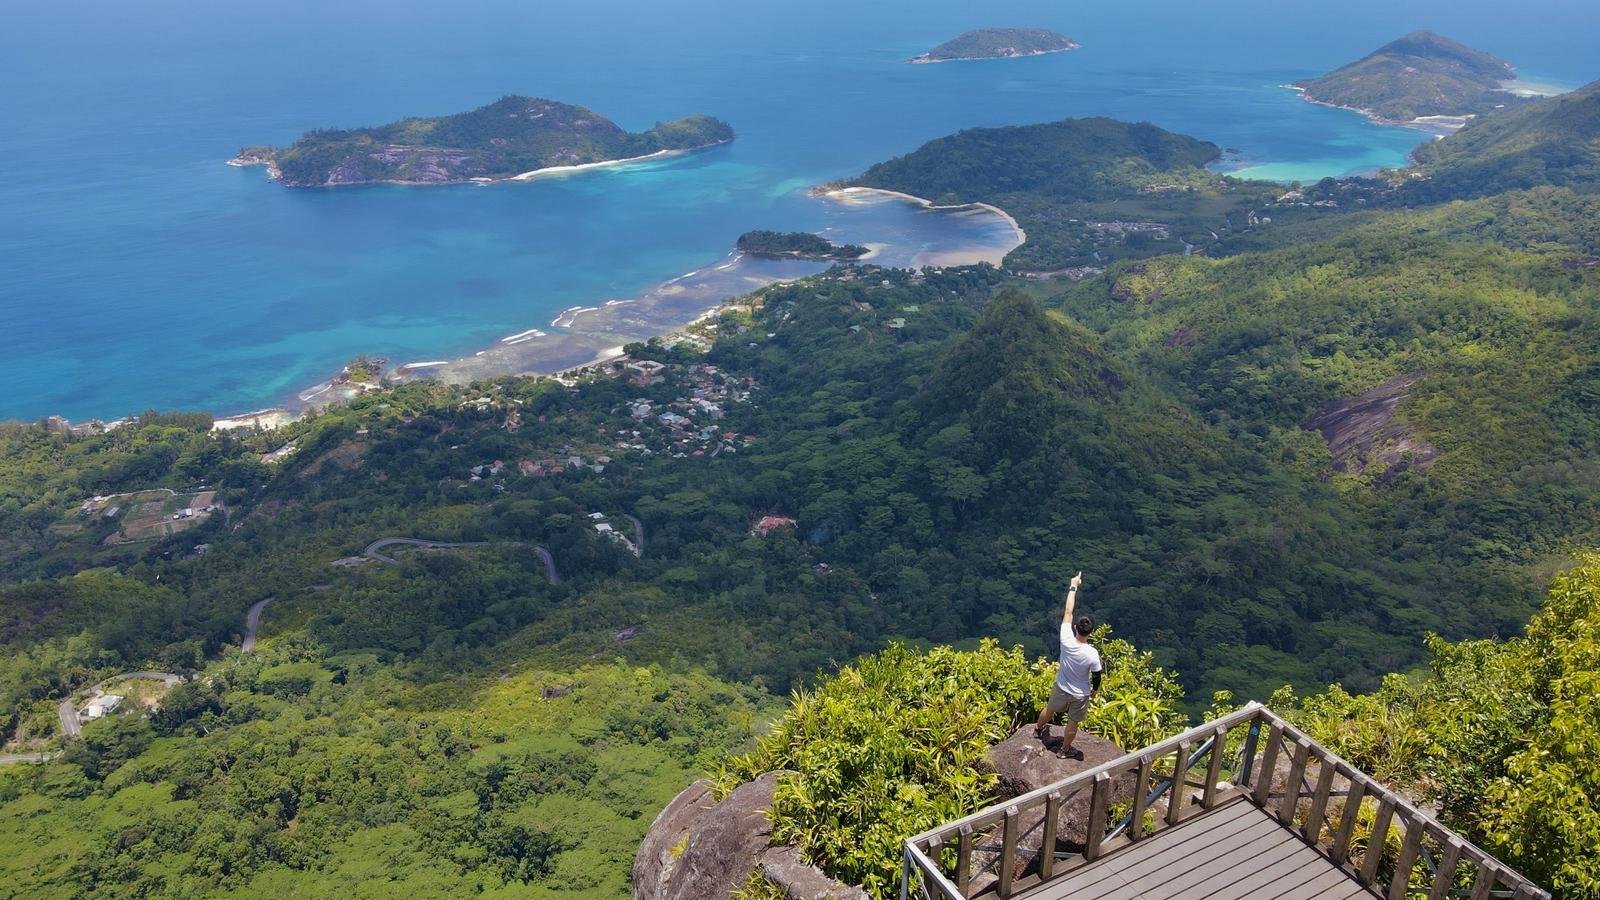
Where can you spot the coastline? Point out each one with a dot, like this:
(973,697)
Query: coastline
(274,173)
(1438,126)
(926,60)
(581,337)
(846,194)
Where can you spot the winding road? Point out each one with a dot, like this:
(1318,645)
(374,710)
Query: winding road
(252,623)
(374,551)
(638,534)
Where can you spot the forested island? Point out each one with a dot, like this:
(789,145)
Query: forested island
(796,245)
(512,137)
(998,43)
(1419,76)
(1341,457)
(1086,191)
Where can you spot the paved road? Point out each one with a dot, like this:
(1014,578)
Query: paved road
(374,551)
(252,623)
(549,564)
(638,535)
(7,759)
(69,718)
(374,548)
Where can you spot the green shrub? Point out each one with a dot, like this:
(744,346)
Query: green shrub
(1501,736)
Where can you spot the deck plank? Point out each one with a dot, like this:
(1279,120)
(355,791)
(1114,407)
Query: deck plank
(1234,851)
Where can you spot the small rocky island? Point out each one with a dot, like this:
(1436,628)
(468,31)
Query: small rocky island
(1419,77)
(796,245)
(998,43)
(514,137)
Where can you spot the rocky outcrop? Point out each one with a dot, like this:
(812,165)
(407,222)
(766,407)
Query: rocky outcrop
(1023,764)
(699,847)
(1363,435)
(797,879)
(665,840)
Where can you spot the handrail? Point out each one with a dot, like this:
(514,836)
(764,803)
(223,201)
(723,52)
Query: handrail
(1305,814)
(1087,776)
(1166,783)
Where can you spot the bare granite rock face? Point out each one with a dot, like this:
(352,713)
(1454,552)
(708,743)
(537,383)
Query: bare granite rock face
(1363,434)
(695,850)
(658,853)
(799,880)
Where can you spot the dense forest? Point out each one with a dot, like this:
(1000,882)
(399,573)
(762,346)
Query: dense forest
(1355,447)
(796,245)
(505,138)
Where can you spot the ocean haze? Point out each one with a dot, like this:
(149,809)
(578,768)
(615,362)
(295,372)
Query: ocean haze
(140,271)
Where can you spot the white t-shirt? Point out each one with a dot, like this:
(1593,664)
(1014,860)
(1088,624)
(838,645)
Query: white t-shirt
(1078,659)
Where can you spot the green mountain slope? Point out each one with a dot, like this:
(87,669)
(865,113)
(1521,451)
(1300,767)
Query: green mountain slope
(508,137)
(1555,141)
(1421,74)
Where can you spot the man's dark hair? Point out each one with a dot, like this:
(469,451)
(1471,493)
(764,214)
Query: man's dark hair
(1083,625)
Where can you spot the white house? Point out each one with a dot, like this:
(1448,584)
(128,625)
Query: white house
(103,705)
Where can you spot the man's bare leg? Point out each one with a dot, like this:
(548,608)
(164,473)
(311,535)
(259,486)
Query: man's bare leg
(1069,735)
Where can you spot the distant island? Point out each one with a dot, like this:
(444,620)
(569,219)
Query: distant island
(513,138)
(1420,77)
(998,43)
(796,245)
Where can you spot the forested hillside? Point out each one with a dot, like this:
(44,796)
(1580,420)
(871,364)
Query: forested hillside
(1554,142)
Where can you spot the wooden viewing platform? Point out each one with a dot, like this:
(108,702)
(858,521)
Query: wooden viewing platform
(1244,806)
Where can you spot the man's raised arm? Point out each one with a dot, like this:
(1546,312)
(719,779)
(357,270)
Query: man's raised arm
(1072,598)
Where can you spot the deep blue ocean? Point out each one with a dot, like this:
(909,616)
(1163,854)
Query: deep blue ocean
(137,270)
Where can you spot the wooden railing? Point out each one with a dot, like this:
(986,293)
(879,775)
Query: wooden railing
(1373,834)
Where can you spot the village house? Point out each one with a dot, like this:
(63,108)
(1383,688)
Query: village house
(100,706)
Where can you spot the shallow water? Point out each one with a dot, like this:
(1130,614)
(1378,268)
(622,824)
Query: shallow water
(137,270)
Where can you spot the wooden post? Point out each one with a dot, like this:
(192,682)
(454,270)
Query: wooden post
(1444,878)
(1141,798)
(1250,738)
(1219,744)
(1008,852)
(1291,790)
(1339,851)
(1484,883)
(1410,846)
(1380,833)
(964,859)
(1269,758)
(1047,845)
(1180,769)
(1319,804)
(1098,801)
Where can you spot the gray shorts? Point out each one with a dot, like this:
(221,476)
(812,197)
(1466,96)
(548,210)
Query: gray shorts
(1076,708)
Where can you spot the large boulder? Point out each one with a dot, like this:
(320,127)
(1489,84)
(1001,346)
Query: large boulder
(1024,763)
(665,840)
(784,868)
(696,849)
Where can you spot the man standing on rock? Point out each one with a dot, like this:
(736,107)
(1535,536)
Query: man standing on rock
(1076,681)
